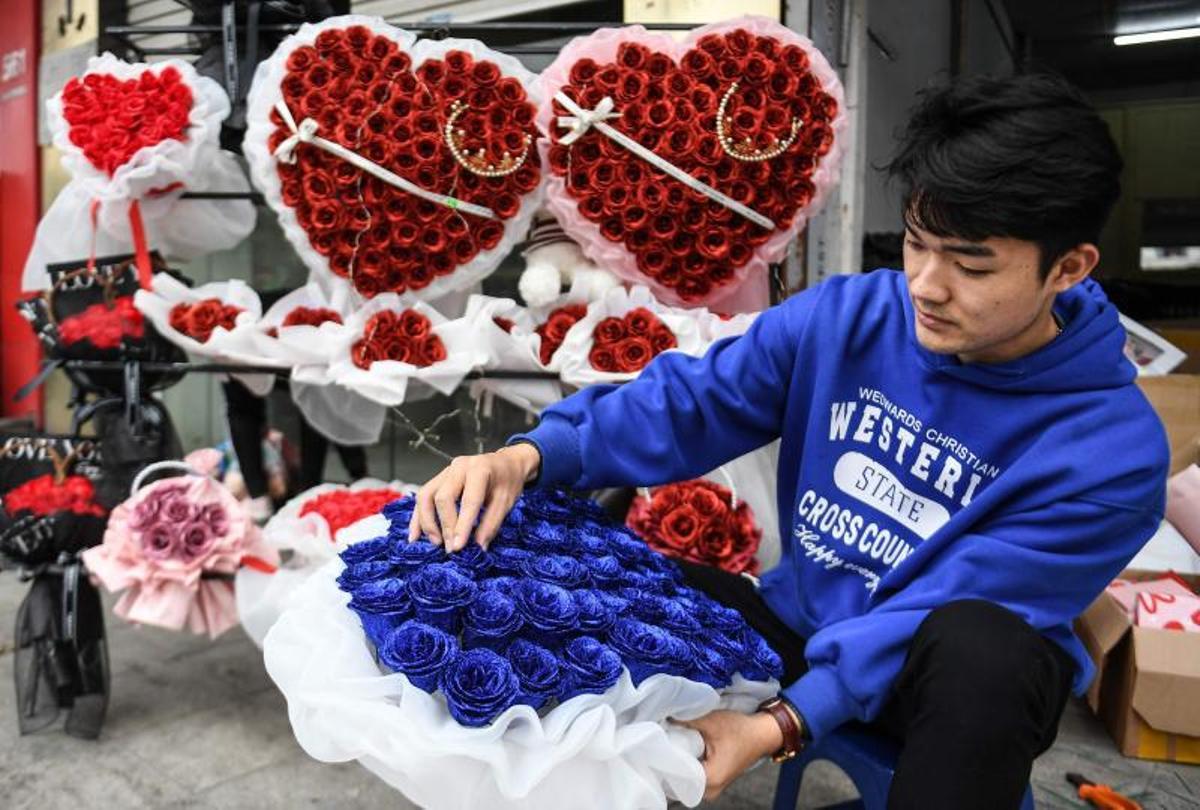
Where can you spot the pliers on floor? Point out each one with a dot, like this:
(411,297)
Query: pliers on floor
(1101,796)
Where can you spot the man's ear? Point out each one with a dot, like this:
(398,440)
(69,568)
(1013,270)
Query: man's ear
(1074,266)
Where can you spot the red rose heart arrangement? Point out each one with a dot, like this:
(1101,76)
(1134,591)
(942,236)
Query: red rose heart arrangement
(439,118)
(555,328)
(697,521)
(44,496)
(406,337)
(343,507)
(103,326)
(628,344)
(110,119)
(749,109)
(198,320)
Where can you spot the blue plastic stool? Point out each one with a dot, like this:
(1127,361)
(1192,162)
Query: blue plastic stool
(868,759)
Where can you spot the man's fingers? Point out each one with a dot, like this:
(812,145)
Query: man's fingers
(426,511)
(498,507)
(474,491)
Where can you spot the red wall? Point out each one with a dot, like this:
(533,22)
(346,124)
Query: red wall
(20,199)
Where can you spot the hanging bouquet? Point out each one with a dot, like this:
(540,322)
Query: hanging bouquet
(393,340)
(690,165)
(173,549)
(510,677)
(621,333)
(134,138)
(204,321)
(699,521)
(307,531)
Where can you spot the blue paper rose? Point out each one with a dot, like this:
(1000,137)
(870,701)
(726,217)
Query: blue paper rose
(474,559)
(606,570)
(382,605)
(731,645)
(543,537)
(507,560)
(629,550)
(556,569)
(479,685)
(710,667)
(761,662)
(617,603)
(719,617)
(439,593)
(537,672)
(504,585)
(548,610)
(648,650)
(376,548)
(595,616)
(408,557)
(589,667)
(400,510)
(355,576)
(491,620)
(676,618)
(587,542)
(420,652)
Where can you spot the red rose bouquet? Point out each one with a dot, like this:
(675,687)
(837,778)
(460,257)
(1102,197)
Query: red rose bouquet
(627,344)
(213,320)
(104,326)
(403,337)
(553,330)
(198,320)
(700,522)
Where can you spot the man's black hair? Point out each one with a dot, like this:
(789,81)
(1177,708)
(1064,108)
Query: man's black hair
(1025,157)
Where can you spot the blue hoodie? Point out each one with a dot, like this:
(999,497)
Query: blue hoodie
(906,478)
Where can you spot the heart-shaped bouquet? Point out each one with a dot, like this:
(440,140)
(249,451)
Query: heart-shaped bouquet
(739,127)
(136,133)
(404,166)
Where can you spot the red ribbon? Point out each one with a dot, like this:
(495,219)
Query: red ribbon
(141,251)
(258,564)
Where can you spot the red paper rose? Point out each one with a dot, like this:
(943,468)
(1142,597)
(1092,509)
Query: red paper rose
(555,328)
(44,496)
(310,316)
(696,521)
(198,320)
(102,326)
(341,508)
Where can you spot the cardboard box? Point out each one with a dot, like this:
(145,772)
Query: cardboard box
(1147,686)
(1176,400)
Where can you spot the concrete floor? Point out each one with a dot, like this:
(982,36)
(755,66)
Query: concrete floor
(198,724)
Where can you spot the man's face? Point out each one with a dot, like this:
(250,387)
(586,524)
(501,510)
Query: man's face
(983,301)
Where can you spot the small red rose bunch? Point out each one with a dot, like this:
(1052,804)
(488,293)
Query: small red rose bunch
(626,345)
(311,316)
(198,320)
(555,328)
(696,521)
(344,507)
(110,119)
(102,326)
(43,496)
(406,337)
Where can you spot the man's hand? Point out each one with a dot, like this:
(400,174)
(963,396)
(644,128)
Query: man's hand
(732,743)
(448,505)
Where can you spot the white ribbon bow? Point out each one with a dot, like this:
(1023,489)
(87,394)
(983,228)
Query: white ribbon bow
(581,120)
(306,132)
(584,120)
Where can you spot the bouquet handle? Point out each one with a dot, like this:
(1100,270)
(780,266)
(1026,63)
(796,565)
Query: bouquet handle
(158,466)
(733,498)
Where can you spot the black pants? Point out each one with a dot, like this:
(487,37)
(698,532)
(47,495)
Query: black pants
(247,417)
(978,699)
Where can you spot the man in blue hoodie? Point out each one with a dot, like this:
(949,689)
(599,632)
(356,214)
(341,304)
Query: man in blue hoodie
(965,461)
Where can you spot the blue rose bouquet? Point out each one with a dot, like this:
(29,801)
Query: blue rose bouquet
(562,602)
(518,676)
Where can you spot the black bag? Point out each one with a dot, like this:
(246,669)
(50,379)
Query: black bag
(54,497)
(87,314)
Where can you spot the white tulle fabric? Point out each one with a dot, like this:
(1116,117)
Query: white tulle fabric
(265,92)
(510,351)
(175,227)
(260,596)
(386,382)
(713,327)
(748,290)
(615,751)
(572,356)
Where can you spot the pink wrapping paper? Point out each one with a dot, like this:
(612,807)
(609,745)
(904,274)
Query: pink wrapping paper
(161,543)
(1168,611)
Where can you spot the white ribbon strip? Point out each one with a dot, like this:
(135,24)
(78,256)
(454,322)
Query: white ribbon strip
(306,132)
(582,120)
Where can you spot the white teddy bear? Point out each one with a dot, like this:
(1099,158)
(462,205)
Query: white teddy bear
(553,261)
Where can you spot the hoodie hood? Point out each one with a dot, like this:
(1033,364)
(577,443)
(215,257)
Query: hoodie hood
(1088,355)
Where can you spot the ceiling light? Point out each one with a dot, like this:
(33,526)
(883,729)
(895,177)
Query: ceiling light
(1157,36)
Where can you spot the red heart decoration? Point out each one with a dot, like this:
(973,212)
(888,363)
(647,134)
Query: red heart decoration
(377,94)
(344,507)
(110,119)
(651,228)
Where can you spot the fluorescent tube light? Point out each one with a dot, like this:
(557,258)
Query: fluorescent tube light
(1157,36)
